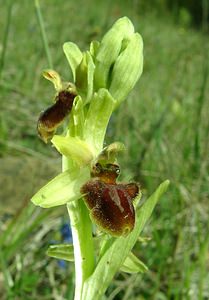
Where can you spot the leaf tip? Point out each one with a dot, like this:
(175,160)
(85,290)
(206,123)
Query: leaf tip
(166,183)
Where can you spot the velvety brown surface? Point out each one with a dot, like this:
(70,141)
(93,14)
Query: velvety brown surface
(111,205)
(53,116)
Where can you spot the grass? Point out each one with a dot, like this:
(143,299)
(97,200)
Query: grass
(164,125)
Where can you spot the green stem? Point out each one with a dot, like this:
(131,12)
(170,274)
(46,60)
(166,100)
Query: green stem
(5,38)
(43,33)
(82,241)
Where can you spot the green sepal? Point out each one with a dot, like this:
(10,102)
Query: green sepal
(74,56)
(61,251)
(73,147)
(112,259)
(109,50)
(62,189)
(127,69)
(133,264)
(99,113)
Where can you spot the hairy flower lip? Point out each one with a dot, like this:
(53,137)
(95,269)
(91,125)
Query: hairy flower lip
(110,203)
(50,119)
(111,206)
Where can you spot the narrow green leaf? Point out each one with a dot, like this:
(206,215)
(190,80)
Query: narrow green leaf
(63,188)
(133,264)
(119,249)
(74,56)
(66,251)
(100,110)
(61,251)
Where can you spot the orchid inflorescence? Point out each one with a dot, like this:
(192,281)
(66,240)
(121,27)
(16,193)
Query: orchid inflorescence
(103,77)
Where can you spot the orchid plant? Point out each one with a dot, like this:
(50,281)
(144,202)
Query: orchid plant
(103,77)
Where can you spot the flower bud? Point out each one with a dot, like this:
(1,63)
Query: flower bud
(127,69)
(109,50)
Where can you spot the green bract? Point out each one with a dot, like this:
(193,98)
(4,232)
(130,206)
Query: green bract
(97,118)
(103,77)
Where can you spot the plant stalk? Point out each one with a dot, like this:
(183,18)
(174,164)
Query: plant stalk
(43,33)
(6,35)
(82,240)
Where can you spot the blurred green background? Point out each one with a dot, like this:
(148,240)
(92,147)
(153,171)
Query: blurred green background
(164,124)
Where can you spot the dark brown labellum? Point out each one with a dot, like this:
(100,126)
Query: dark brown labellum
(111,204)
(54,115)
